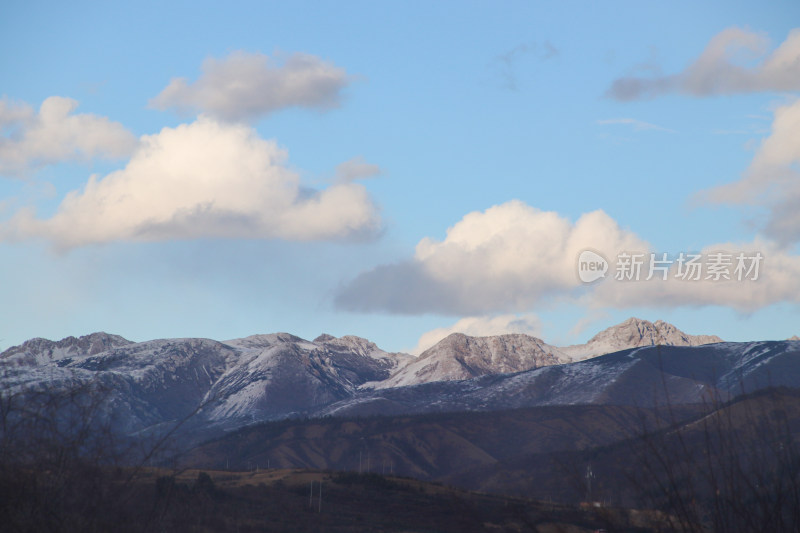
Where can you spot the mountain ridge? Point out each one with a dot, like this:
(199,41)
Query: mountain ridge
(634,333)
(456,357)
(222,385)
(449,359)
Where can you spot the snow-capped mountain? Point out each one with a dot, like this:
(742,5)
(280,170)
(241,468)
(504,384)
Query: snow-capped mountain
(43,351)
(460,356)
(163,381)
(645,376)
(634,333)
(222,385)
(279,374)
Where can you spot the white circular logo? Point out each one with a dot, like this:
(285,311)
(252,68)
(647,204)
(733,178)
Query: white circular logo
(591,266)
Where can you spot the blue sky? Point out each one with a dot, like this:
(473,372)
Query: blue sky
(216,208)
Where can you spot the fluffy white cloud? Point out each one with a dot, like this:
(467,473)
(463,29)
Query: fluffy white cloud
(773,177)
(203,179)
(507,258)
(512,257)
(725,67)
(481,326)
(245,86)
(29,139)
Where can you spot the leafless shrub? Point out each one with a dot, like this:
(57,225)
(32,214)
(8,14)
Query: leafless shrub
(66,466)
(733,468)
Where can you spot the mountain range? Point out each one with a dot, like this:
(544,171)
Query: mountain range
(460,356)
(218,386)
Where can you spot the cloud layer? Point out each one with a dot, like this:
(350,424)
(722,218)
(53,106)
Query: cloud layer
(773,178)
(246,86)
(734,61)
(206,179)
(505,259)
(356,169)
(778,281)
(513,258)
(30,139)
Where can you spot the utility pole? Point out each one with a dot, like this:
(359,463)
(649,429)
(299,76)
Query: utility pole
(311,496)
(320,496)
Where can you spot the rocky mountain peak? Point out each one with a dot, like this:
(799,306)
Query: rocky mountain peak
(39,350)
(632,332)
(636,332)
(459,356)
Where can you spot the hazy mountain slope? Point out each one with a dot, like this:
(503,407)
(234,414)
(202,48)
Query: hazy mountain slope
(540,452)
(739,437)
(423,446)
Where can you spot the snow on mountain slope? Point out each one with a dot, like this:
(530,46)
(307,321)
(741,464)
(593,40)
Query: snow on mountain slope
(155,384)
(41,351)
(141,385)
(163,381)
(644,376)
(358,359)
(460,356)
(280,373)
(634,333)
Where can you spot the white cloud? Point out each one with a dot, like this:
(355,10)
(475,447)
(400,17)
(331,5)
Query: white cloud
(507,258)
(30,139)
(734,61)
(773,177)
(14,113)
(513,258)
(778,281)
(246,86)
(356,169)
(198,180)
(481,326)
(638,125)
